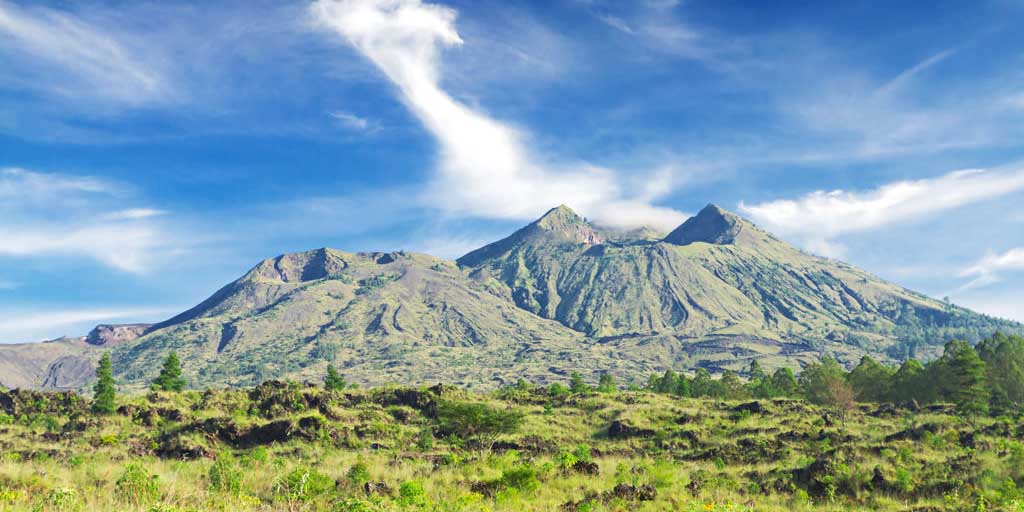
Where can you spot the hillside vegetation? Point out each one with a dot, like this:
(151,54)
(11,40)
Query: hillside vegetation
(285,446)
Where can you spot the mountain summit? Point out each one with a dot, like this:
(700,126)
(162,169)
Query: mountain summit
(713,225)
(558,295)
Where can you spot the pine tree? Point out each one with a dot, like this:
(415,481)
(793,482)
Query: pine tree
(103,391)
(170,378)
(702,384)
(965,378)
(334,381)
(576,383)
(784,383)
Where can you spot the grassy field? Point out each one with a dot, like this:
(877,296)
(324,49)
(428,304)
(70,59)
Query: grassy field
(284,446)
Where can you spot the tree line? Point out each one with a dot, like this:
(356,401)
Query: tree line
(988,378)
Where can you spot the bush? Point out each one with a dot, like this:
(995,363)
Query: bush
(225,476)
(411,494)
(137,485)
(303,484)
(358,474)
(521,478)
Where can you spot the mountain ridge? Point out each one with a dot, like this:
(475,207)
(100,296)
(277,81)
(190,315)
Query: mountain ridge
(560,294)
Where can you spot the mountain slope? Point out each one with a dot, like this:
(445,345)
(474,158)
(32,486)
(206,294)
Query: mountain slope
(381,317)
(556,296)
(715,275)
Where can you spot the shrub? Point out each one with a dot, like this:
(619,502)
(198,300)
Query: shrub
(225,476)
(411,494)
(258,455)
(137,485)
(303,484)
(358,474)
(521,478)
(582,452)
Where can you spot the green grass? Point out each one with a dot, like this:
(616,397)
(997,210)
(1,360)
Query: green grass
(291,447)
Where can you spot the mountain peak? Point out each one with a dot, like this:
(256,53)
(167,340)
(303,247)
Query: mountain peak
(560,222)
(564,221)
(713,225)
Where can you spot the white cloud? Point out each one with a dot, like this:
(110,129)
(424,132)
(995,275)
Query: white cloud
(34,326)
(94,61)
(615,22)
(820,216)
(909,74)
(486,167)
(351,121)
(56,214)
(986,270)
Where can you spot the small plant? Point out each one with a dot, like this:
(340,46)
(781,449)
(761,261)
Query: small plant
(303,484)
(64,498)
(225,475)
(358,474)
(137,485)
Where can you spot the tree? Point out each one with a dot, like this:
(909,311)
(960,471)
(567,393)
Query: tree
(476,421)
(909,383)
(170,378)
(577,385)
(103,391)
(784,383)
(871,381)
(702,384)
(606,383)
(666,383)
(961,373)
(759,384)
(1004,361)
(334,381)
(730,386)
(683,386)
(841,397)
(557,389)
(817,377)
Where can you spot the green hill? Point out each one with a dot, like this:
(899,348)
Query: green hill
(559,295)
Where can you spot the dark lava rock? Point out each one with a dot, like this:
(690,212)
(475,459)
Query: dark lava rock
(586,468)
(377,488)
(751,407)
(619,429)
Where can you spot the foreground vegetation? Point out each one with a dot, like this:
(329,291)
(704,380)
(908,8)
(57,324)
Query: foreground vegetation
(287,446)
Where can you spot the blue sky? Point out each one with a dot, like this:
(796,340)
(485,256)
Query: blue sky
(151,152)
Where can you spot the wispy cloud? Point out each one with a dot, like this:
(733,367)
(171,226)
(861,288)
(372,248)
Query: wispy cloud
(353,122)
(615,22)
(58,214)
(986,270)
(907,75)
(819,217)
(93,61)
(486,168)
(38,325)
